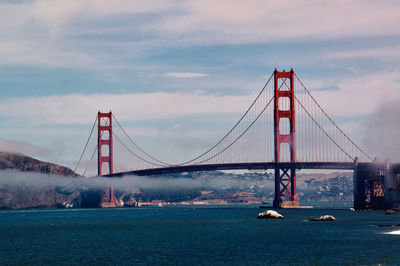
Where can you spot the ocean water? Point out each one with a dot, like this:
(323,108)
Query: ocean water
(190,235)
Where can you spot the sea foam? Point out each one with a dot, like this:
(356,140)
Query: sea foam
(395,232)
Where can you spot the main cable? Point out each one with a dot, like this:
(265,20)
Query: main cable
(323,130)
(240,134)
(94,152)
(341,131)
(133,153)
(87,142)
(137,146)
(230,131)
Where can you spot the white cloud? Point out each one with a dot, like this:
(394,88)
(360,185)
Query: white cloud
(382,131)
(79,109)
(391,53)
(34,53)
(23,147)
(357,95)
(40,32)
(61,111)
(56,14)
(45,32)
(244,21)
(185,75)
(174,132)
(265,21)
(85,34)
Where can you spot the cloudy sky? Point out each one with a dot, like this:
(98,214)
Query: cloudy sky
(178,74)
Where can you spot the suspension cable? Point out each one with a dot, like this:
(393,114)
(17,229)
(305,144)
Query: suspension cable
(227,134)
(94,152)
(133,153)
(341,131)
(137,146)
(91,158)
(87,142)
(240,134)
(323,130)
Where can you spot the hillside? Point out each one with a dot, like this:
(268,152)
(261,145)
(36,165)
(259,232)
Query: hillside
(248,187)
(23,163)
(18,183)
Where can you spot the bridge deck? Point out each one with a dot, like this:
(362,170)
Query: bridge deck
(239,166)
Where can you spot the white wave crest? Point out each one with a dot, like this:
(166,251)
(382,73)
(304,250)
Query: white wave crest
(395,232)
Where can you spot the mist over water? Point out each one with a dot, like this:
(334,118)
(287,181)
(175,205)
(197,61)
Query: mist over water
(382,132)
(38,180)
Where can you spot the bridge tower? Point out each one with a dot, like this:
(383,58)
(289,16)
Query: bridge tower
(105,155)
(285,174)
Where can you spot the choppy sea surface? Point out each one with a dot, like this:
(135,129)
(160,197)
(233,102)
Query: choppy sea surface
(195,235)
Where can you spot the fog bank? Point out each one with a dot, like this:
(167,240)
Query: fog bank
(382,132)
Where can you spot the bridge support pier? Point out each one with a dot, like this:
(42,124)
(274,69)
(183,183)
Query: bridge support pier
(369,186)
(285,185)
(392,185)
(358,187)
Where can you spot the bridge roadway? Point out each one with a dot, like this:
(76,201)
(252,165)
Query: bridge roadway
(243,166)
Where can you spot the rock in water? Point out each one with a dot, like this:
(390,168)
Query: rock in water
(270,214)
(324,218)
(390,212)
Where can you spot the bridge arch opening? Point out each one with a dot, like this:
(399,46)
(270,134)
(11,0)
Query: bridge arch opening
(284,84)
(284,155)
(105,168)
(284,103)
(105,135)
(284,126)
(105,150)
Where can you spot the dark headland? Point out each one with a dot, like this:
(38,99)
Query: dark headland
(21,195)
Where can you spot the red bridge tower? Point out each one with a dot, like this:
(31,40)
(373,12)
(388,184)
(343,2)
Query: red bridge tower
(285,176)
(105,155)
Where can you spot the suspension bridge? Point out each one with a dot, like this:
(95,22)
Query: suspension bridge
(284,129)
